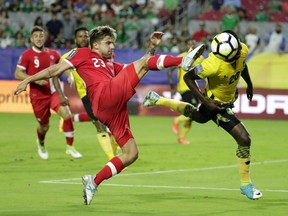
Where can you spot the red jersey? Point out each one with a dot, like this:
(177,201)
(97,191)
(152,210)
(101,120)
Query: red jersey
(92,68)
(33,61)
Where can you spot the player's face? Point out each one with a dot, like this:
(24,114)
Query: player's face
(38,39)
(82,39)
(106,47)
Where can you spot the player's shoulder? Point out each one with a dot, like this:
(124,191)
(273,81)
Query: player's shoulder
(28,51)
(67,53)
(245,49)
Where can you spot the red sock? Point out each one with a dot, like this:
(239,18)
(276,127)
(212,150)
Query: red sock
(68,130)
(81,117)
(113,167)
(41,137)
(160,62)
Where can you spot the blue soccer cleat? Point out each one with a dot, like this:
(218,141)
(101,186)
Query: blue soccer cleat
(250,192)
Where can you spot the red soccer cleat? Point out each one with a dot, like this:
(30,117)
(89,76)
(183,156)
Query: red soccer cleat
(183,141)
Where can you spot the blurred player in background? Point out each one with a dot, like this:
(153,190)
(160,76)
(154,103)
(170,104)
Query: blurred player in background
(42,94)
(110,85)
(217,103)
(81,37)
(186,94)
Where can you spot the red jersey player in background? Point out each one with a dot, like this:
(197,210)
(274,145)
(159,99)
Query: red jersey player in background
(43,96)
(110,85)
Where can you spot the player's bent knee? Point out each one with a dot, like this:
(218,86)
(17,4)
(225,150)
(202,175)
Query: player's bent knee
(245,140)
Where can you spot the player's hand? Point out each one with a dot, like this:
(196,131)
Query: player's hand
(64,101)
(155,38)
(21,87)
(71,81)
(214,105)
(249,93)
(41,82)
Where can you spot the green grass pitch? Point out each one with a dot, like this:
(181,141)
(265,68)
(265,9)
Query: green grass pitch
(199,179)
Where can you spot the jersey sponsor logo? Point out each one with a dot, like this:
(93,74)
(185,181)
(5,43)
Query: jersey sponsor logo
(73,52)
(198,69)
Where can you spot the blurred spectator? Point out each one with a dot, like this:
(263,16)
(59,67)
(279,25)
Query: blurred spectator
(39,21)
(54,26)
(252,40)
(275,6)
(5,27)
(230,19)
(23,29)
(56,7)
(117,6)
(59,42)
(5,40)
(26,6)
(14,6)
(69,24)
(242,13)
(122,36)
(126,11)
(261,15)
(91,8)
(231,3)
(134,5)
(19,40)
(200,35)
(38,6)
(4,15)
(132,28)
(217,4)
(275,41)
(78,6)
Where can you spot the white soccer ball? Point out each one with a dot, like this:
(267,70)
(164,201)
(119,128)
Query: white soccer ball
(224,46)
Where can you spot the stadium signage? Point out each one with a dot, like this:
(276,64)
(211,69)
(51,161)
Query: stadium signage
(266,104)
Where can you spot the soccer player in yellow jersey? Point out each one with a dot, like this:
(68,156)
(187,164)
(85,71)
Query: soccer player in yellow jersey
(217,103)
(186,94)
(109,146)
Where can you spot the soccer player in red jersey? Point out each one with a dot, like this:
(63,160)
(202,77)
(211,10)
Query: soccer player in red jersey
(42,93)
(110,85)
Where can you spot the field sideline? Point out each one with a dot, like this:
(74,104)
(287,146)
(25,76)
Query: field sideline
(168,179)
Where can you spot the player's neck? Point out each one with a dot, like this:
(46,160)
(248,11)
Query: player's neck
(37,49)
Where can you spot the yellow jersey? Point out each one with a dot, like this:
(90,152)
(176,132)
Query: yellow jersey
(222,77)
(182,86)
(80,85)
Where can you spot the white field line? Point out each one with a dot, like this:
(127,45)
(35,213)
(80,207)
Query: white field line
(70,180)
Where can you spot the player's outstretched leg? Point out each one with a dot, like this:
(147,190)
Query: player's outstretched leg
(192,55)
(250,192)
(153,99)
(89,188)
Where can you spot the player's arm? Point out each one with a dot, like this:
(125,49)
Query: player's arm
(63,99)
(190,79)
(52,71)
(246,76)
(20,74)
(171,81)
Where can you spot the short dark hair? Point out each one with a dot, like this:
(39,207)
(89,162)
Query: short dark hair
(80,29)
(36,28)
(100,32)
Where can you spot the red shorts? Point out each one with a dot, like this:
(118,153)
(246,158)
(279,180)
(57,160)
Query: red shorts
(109,102)
(41,108)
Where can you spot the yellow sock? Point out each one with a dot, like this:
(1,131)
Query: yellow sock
(244,167)
(177,106)
(105,144)
(186,128)
(114,145)
(181,119)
